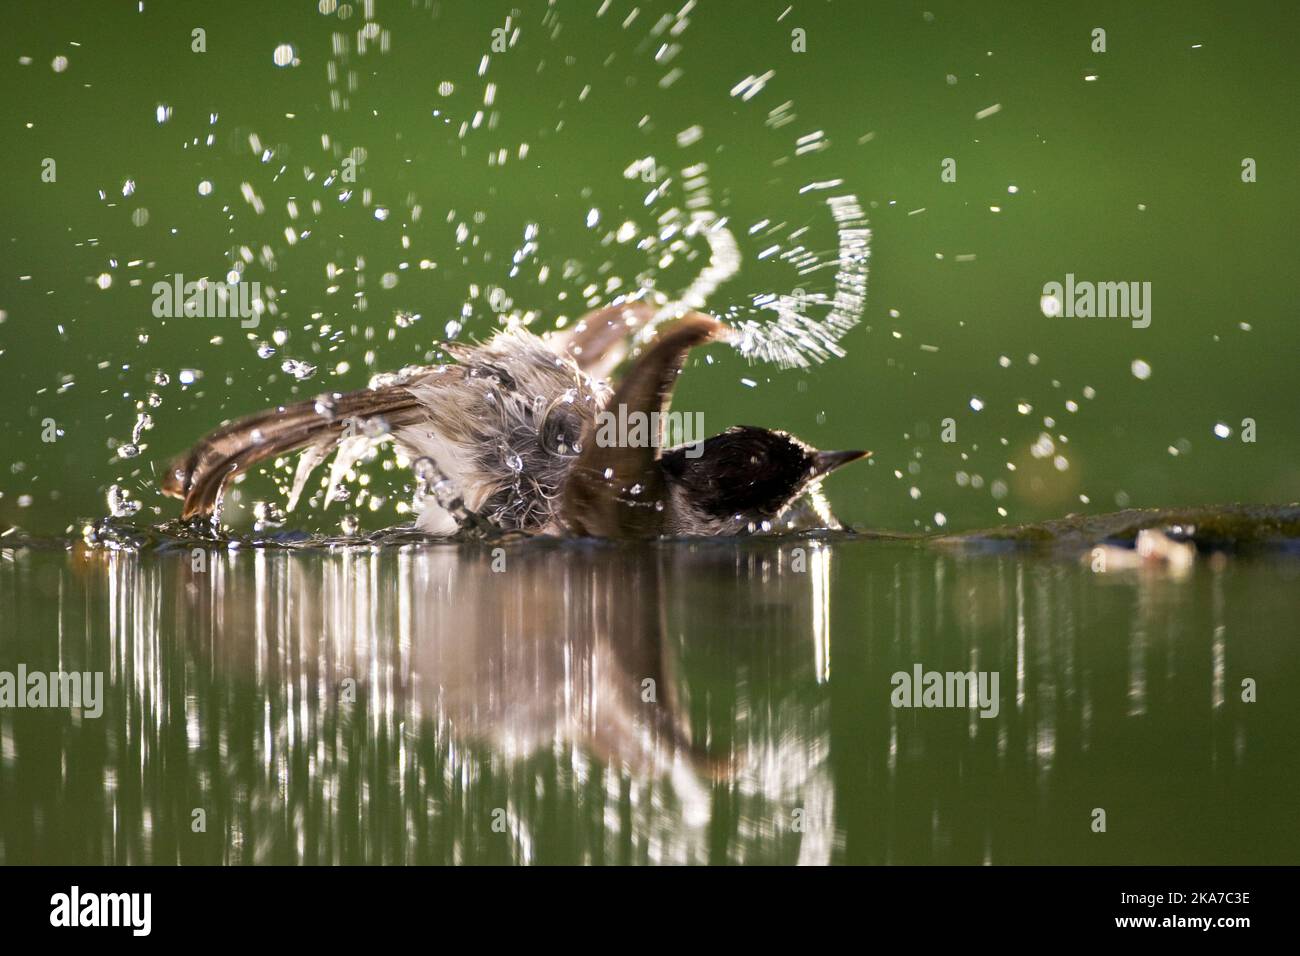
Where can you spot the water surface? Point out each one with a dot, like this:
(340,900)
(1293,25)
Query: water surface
(721,701)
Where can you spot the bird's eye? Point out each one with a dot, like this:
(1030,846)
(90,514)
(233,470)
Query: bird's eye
(561,431)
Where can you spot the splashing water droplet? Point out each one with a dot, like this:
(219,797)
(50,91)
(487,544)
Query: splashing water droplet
(267,514)
(1043,447)
(424,469)
(143,422)
(120,504)
(298,369)
(445,492)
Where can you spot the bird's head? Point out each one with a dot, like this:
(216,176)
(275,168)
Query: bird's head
(749,473)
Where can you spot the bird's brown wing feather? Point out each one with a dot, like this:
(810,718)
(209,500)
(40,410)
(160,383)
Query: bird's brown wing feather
(599,341)
(198,476)
(612,492)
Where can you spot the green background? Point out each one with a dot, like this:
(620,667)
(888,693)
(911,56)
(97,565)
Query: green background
(1182,94)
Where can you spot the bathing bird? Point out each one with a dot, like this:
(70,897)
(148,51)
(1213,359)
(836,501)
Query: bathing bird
(505,437)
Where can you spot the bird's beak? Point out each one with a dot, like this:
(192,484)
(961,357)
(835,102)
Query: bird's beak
(825,462)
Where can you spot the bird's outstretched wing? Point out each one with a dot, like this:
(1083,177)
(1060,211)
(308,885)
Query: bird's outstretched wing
(198,476)
(617,491)
(596,344)
(599,340)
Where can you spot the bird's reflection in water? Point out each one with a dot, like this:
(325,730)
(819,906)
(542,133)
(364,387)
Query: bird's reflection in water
(716,701)
(518,704)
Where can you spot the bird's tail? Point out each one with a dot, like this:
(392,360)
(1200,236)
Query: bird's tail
(198,476)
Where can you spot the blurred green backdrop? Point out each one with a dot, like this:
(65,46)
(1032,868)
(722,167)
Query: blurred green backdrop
(1126,166)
